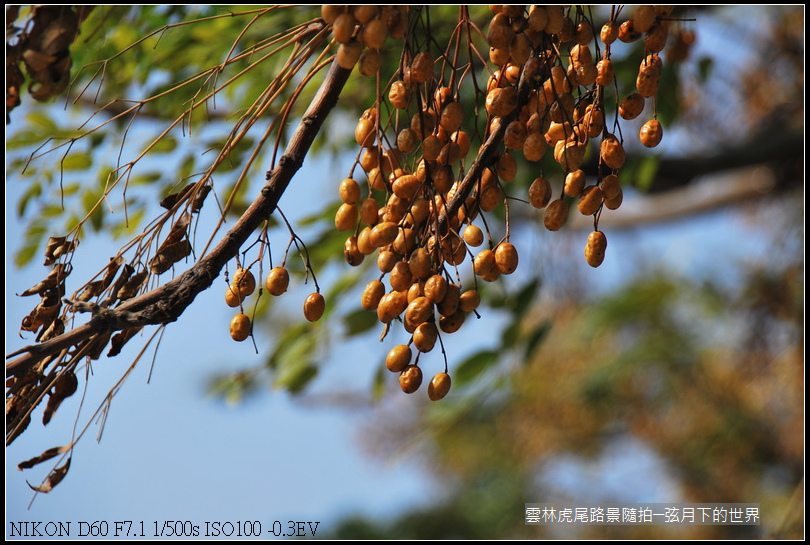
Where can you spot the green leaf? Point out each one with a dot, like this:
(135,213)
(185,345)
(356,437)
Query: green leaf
(535,338)
(146,178)
(378,386)
(26,254)
(359,321)
(475,365)
(167,144)
(296,376)
(34,191)
(510,335)
(705,67)
(77,161)
(646,171)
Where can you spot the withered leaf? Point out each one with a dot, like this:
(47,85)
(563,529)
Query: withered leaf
(58,246)
(92,289)
(169,201)
(178,231)
(56,328)
(57,276)
(120,339)
(169,255)
(112,268)
(43,314)
(53,479)
(199,198)
(126,273)
(44,457)
(97,345)
(64,387)
(129,289)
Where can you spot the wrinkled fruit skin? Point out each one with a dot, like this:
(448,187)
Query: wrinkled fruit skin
(240,327)
(410,379)
(595,248)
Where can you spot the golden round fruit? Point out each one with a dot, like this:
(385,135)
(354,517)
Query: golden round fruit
(612,152)
(595,248)
(469,300)
(352,253)
(314,306)
(349,53)
(278,279)
(384,234)
(439,386)
(422,67)
(484,262)
(349,191)
(473,235)
(372,294)
(534,148)
(435,288)
(540,193)
(424,338)
(575,183)
(244,282)
(506,258)
(452,322)
(398,358)
(232,297)
(556,215)
(346,217)
(590,200)
(644,18)
(399,95)
(609,32)
(374,33)
(651,133)
(632,106)
(410,379)
(605,73)
(419,310)
(610,186)
(369,62)
(400,277)
(343,27)
(240,327)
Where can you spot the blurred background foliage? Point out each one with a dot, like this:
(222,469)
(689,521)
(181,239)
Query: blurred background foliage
(707,374)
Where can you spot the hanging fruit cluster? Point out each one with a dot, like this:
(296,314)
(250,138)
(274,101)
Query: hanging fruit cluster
(547,88)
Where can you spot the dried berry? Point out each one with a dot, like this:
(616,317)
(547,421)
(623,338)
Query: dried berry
(240,327)
(595,248)
(278,279)
(410,379)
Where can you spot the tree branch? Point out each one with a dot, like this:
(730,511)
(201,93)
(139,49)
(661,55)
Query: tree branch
(168,302)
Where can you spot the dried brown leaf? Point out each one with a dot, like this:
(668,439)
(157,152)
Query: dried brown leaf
(53,479)
(44,457)
(56,277)
(64,387)
(120,339)
(179,230)
(168,256)
(199,198)
(129,289)
(58,246)
(93,289)
(169,201)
